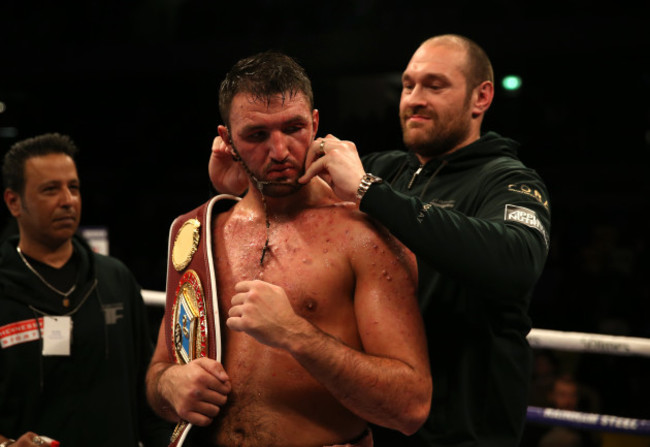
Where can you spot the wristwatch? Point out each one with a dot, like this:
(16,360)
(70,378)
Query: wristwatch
(367,180)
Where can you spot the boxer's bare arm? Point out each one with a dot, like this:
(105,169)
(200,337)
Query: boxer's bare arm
(194,392)
(389,383)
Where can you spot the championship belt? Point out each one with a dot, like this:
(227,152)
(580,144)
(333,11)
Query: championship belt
(192,328)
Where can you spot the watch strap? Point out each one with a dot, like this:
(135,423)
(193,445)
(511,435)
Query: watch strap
(367,180)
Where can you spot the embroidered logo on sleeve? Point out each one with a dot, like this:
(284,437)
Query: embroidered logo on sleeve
(20,332)
(448,204)
(522,188)
(527,217)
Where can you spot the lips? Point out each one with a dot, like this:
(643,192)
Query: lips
(66,220)
(281,171)
(417,118)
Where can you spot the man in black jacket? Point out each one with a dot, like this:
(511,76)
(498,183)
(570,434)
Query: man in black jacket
(478,221)
(73,327)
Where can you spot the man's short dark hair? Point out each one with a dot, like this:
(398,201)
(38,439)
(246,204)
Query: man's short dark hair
(13,167)
(264,75)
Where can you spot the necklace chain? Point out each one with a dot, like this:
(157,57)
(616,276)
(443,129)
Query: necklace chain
(43,280)
(260,187)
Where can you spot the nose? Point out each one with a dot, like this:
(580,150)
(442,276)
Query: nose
(414,97)
(68,196)
(278,147)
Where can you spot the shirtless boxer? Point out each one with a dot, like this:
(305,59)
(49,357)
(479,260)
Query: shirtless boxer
(321,329)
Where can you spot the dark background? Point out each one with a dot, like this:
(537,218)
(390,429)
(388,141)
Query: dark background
(134,82)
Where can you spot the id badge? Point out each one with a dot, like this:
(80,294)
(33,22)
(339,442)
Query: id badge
(57,335)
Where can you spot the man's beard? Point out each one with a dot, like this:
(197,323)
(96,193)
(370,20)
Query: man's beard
(271,188)
(278,188)
(438,139)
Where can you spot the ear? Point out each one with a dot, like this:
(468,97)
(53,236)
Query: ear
(315,119)
(12,199)
(482,98)
(225,136)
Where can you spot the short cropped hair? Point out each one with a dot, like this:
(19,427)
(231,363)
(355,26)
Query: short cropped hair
(13,167)
(478,68)
(264,75)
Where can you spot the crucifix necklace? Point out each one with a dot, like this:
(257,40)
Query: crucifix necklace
(260,187)
(65,295)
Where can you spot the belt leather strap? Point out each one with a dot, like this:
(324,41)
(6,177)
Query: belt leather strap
(192,327)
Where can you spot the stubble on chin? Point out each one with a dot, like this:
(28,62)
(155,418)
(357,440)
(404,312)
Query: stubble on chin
(280,189)
(420,140)
(432,142)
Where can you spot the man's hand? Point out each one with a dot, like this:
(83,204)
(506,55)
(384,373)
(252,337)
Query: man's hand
(196,391)
(30,439)
(226,174)
(263,311)
(338,163)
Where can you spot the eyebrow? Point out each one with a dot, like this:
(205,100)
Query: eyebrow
(58,182)
(296,119)
(427,77)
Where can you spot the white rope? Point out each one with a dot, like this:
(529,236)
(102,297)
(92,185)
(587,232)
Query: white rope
(538,338)
(584,342)
(153,298)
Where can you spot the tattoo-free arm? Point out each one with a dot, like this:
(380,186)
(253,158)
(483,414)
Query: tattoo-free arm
(194,392)
(389,383)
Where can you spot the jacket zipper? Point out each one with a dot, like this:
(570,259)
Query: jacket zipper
(415,174)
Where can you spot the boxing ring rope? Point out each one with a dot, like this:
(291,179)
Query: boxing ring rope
(153,298)
(588,421)
(561,341)
(592,343)
(596,344)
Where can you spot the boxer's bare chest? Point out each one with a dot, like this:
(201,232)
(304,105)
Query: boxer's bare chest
(306,255)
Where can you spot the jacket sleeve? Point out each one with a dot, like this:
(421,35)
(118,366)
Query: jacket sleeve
(499,244)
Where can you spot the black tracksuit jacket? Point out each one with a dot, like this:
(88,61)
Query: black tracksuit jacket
(478,221)
(95,396)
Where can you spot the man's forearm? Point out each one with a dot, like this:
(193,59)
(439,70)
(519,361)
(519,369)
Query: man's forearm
(155,398)
(383,391)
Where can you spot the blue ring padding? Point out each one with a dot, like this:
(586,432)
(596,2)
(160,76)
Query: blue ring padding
(588,421)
